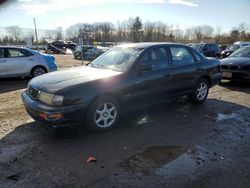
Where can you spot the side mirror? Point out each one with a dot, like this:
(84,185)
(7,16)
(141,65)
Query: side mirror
(145,67)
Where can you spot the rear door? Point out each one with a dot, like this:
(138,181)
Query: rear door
(19,61)
(185,70)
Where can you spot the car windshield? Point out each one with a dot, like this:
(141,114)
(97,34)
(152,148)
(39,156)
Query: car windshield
(198,47)
(117,58)
(242,52)
(233,47)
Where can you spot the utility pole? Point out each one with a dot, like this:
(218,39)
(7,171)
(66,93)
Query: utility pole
(36,34)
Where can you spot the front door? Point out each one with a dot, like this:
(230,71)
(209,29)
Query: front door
(18,61)
(149,81)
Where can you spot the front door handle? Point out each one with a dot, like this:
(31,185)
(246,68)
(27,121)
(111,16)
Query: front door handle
(2,61)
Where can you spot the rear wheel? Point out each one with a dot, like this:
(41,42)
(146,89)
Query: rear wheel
(200,93)
(37,71)
(103,114)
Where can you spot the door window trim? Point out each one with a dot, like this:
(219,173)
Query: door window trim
(152,48)
(7,53)
(196,61)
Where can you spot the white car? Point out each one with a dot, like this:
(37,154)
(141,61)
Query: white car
(22,62)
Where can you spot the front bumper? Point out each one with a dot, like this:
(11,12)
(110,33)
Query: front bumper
(235,74)
(54,116)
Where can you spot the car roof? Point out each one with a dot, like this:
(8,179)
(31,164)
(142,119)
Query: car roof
(147,44)
(241,42)
(13,47)
(206,43)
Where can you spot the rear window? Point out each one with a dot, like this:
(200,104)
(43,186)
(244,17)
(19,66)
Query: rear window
(213,47)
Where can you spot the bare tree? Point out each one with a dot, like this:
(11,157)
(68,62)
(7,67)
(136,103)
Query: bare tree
(72,31)
(59,33)
(234,35)
(243,28)
(104,30)
(202,32)
(15,31)
(50,34)
(149,31)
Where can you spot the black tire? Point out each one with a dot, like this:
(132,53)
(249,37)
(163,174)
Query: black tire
(37,71)
(107,118)
(199,95)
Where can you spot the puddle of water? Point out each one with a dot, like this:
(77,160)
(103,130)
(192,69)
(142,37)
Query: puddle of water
(169,160)
(189,162)
(153,157)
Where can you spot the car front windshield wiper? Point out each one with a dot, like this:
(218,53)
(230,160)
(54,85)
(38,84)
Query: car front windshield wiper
(97,66)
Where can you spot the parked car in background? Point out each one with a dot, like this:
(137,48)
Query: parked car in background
(237,65)
(81,50)
(222,47)
(88,52)
(208,49)
(60,46)
(125,77)
(93,53)
(233,48)
(22,62)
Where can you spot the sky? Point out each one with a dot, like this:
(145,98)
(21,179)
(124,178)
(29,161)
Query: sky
(50,14)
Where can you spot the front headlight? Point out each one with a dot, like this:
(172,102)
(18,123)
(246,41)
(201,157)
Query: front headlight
(50,99)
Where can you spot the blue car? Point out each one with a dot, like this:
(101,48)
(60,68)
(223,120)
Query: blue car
(24,62)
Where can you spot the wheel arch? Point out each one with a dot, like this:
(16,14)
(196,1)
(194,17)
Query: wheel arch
(207,77)
(112,95)
(37,66)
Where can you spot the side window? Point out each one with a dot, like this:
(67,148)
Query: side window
(181,56)
(1,52)
(157,57)
(18,53)
(197,55)
(25,52)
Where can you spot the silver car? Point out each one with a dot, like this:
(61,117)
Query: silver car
(22,62)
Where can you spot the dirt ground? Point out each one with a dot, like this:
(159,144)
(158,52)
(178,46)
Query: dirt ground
(169,145)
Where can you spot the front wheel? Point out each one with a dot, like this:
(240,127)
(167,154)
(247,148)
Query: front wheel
(103,114)
(199,95)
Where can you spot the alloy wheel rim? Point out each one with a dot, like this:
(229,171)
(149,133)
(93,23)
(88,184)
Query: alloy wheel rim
(38,72)
(201,91)
(105,115)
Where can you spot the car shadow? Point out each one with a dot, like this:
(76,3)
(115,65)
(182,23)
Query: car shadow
(53,156)
(243,86)
(12,84)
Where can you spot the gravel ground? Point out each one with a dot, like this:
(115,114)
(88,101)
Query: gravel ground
(169,145)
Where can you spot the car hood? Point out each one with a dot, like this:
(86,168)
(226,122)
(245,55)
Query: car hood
(236,61)
(56,81)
